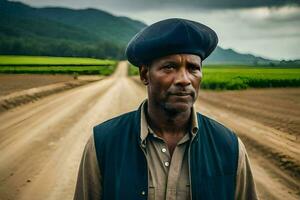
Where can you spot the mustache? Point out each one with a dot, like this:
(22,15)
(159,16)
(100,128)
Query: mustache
(182,91)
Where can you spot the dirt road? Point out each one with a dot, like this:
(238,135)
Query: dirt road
(41,143)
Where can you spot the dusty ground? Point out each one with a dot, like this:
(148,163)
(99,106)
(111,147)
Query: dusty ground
(277,108)
(10,83)
(41,143)
(20,89)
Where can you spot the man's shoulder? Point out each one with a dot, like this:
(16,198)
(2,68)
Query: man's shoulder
(116,132)
(208,122)
(116,124)
(222,138)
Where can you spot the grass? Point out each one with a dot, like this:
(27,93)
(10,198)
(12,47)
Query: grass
(133,71)
(226,77)
(88,70)
(45,60)
(55,65)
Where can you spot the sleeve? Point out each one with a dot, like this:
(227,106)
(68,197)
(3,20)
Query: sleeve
(89,180)
(245,185)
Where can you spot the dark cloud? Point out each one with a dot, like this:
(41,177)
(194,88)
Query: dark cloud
(269,32)
(262,27)
(155,4)
(195,4)
(218,4)
(239,3)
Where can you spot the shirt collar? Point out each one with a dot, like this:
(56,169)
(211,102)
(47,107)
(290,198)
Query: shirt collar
(145,129)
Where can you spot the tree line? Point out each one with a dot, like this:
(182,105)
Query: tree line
(54,47)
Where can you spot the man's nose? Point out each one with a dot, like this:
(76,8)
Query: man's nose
(182,77)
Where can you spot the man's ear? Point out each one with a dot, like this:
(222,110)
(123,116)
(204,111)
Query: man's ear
(144,74)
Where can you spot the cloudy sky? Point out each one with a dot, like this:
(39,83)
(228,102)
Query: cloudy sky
(268,28)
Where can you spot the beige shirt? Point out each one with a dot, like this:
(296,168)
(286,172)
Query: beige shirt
(168,177)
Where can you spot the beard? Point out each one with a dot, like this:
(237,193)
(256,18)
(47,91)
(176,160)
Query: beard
(175,100)
(174,106)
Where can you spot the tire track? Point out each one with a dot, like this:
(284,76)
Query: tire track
(273,107)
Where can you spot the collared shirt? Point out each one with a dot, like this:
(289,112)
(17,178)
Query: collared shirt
(168,176)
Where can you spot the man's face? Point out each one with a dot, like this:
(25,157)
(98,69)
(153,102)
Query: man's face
(173,81)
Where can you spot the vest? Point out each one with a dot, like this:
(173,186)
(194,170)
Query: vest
(213,158)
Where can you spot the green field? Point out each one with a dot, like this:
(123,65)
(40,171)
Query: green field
(23,60)
(224,77)
(55,65)
(215,77)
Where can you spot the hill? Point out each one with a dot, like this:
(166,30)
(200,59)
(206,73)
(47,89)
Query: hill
(54,31)
(63,32)
(229,56)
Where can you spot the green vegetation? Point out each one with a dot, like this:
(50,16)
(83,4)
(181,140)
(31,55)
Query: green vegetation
(55,65)
(63,32)
(89,70)
(46,60)
(133,71)
(242,77)
(225,77)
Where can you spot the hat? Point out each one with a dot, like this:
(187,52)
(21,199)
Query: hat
(171,36)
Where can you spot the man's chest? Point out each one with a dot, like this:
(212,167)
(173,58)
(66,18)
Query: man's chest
(168,176)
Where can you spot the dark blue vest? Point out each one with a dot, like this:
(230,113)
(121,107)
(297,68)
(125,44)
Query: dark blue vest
(213,159)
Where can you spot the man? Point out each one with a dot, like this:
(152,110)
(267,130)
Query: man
(165,149)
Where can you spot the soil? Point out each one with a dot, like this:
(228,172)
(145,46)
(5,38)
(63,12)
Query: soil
(41,143)
(21,89)
(278,108)
(10,83)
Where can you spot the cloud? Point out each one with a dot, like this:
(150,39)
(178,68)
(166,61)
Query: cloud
(260,27)
(220,4)
(264,31)
(158,4)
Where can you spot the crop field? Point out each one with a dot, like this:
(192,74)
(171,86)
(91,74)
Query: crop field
(23,60)
(224,77)
(215,77)
(55,65)
(101,70)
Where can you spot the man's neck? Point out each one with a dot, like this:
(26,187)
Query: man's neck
(163,122)
(170,126)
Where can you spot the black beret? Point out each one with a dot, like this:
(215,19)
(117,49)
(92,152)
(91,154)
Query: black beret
(171,36)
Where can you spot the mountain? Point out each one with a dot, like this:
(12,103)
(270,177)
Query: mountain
(54,31)
(63,32)
(229,56)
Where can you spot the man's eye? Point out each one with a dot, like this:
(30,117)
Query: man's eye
(168,66)
(195,68)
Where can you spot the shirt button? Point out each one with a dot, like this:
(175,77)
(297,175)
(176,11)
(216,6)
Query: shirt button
(167,164)
(163,150)
(143,193)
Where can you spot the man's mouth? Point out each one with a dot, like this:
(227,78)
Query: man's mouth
(182,94)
